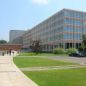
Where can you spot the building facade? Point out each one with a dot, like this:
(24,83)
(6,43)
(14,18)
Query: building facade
(16,36)
(63,29)
(18,40)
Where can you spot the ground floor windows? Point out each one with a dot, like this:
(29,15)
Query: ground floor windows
(72,45)
(49,48)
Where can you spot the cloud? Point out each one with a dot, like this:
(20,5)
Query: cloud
(40,2)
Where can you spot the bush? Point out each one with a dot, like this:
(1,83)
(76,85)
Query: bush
(71,50)
(82,48)
(58,51)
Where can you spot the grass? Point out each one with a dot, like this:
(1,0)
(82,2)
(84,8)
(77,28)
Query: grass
(38,62)
(40,54)
(67,77)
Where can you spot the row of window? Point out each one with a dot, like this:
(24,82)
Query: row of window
(73,21)
(65,36)
(71,29)
(74,29)
(75,14)
(84,30)
(73,36)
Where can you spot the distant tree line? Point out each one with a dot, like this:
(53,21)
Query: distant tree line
(3,41)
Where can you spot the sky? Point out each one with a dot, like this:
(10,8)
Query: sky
(25,14)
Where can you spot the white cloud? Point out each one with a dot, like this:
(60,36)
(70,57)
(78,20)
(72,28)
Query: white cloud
(44,2)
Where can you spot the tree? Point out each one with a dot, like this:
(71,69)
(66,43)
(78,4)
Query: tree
(84,39)
(83,42)
(3,41)
(36,46)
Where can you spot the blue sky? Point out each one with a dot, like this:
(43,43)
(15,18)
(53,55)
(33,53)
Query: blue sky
(24,14)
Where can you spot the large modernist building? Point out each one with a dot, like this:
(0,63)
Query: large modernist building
(63,29)
(16,36)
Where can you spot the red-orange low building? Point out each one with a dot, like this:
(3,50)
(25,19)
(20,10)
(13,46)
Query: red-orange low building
(15,47)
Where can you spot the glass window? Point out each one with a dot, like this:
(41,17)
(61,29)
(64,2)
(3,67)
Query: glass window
(73,14)
(77,15)
(69,13)
(84,30)
(65,36)
(68,36)
(84,23)
(72,21)
(77,22)
(84,16)
(68,21)
(71,36)
(68,28)
(77,36)
(78,30)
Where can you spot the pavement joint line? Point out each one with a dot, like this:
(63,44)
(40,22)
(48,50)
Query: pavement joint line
(7,71)
(49,68)
(5,63)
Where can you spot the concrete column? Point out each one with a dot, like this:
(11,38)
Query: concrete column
(69,45)
(74,45)
(46,47)
(78,45)
(64,45)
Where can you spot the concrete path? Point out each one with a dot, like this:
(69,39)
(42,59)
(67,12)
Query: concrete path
(51,68)
(10,75)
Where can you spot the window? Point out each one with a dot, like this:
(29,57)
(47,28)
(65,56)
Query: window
(84,23)
(74,14)
(72,36)
(68,28)
(84,16)
(68,21)
(72,21)
(78,30)
(68,36)
(77,36)
(77,15)
(84,30)
(69,13)
(77,22)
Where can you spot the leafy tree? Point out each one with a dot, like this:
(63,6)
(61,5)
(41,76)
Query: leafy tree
(83,46)
(36,46)
(84,39)
(3,41)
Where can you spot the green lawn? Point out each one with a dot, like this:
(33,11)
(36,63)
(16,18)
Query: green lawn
(34,54)
(40,54)
(67,77)
(38,62)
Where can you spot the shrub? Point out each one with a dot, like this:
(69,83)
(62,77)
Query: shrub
(82,48)
(71,50)
(58,51)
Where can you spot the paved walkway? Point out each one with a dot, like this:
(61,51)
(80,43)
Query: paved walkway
(51,68)
(10,75)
